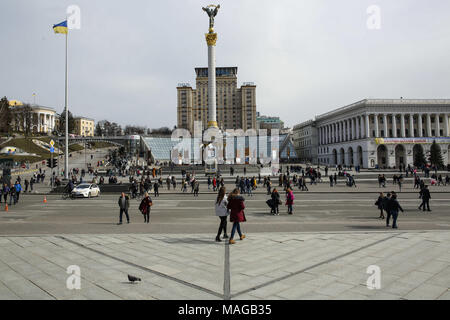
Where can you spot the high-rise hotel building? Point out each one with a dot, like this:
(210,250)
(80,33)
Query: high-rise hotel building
(236,107)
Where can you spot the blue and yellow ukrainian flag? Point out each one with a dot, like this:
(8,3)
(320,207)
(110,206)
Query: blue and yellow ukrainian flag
(60,27)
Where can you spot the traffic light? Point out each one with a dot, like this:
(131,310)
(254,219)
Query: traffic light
(49,164)
(55,163)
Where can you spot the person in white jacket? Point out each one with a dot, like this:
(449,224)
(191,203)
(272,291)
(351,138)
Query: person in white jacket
(222,213)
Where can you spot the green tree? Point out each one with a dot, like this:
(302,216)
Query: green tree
(419,156)
(436,155)
(62,123)
(98,130)
(5,116)
(23,119)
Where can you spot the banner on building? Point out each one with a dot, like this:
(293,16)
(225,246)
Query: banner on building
(379,141)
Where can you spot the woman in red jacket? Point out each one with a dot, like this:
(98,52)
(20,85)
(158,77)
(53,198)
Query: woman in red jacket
(236,206)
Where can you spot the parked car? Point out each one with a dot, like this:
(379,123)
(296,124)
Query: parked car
(86,190)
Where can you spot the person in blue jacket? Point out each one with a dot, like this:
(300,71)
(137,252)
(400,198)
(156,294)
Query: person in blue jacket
(18,187)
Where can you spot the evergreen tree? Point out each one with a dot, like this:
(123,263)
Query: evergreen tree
(98,130)
(419,157)
(436,155)
(5,116)
(62,123)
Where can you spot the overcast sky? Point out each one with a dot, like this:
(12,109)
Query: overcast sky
(306,57)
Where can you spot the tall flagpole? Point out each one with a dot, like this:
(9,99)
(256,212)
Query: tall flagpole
(66,160)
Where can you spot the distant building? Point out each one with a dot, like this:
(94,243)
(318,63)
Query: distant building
(377,133)
(84,126)
(42,118)
(268,123)
(236,107)
(305,141)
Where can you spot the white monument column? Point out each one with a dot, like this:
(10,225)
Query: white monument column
(353,128)
(211,79)
(349,129)
(367,126)
(211,38)
(394,126)
(377,134)
(39,122)
(446,133)
(419,125)
(438,126)
(402,125)
(428,125)
(358,133)
(411,125)
(328,133)
(386,133)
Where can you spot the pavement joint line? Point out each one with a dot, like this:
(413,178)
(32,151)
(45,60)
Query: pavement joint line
(188,284)
(296,232)
(227,275)
(312,267)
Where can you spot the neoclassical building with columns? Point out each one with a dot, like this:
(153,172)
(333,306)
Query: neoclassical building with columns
(382,133)
(42,118)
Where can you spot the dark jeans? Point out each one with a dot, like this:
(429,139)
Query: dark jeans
(156,193)
(274,209)
(290,208)
(237,226)
(394,219)
(222,226)
(388,217)
(122,211)
(17,196)
(147,217)
(425,203)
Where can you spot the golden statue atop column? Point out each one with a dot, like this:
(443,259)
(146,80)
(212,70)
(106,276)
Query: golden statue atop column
(211,38)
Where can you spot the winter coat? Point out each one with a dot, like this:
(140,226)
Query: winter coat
(290,198)
(145,205)
(275,199)
(221,208)
(127,203)
(18,187)
(237,206)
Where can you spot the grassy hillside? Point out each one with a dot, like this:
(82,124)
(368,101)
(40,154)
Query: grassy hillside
(27,145)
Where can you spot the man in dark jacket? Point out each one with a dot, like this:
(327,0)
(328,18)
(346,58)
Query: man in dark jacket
(394,207)
(387,208)
(124,204)
(426,196)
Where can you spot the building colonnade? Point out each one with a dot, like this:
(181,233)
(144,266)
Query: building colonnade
(384,125)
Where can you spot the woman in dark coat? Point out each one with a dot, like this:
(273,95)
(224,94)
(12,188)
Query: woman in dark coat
(144,207)
(236,206)
(380,204)
(275,202)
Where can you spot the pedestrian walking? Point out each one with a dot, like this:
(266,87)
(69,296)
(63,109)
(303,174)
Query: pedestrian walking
(12,194)
(18,188)
(124,204)
(196,185)
(426,196)
(289,200)
(222,213)
(387,208)
(394,207)
(156,189)
(27,183)
(5,192)
(380,204)
(236,206)
(144,207)
(275,201)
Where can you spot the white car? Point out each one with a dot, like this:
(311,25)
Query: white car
(86,190)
